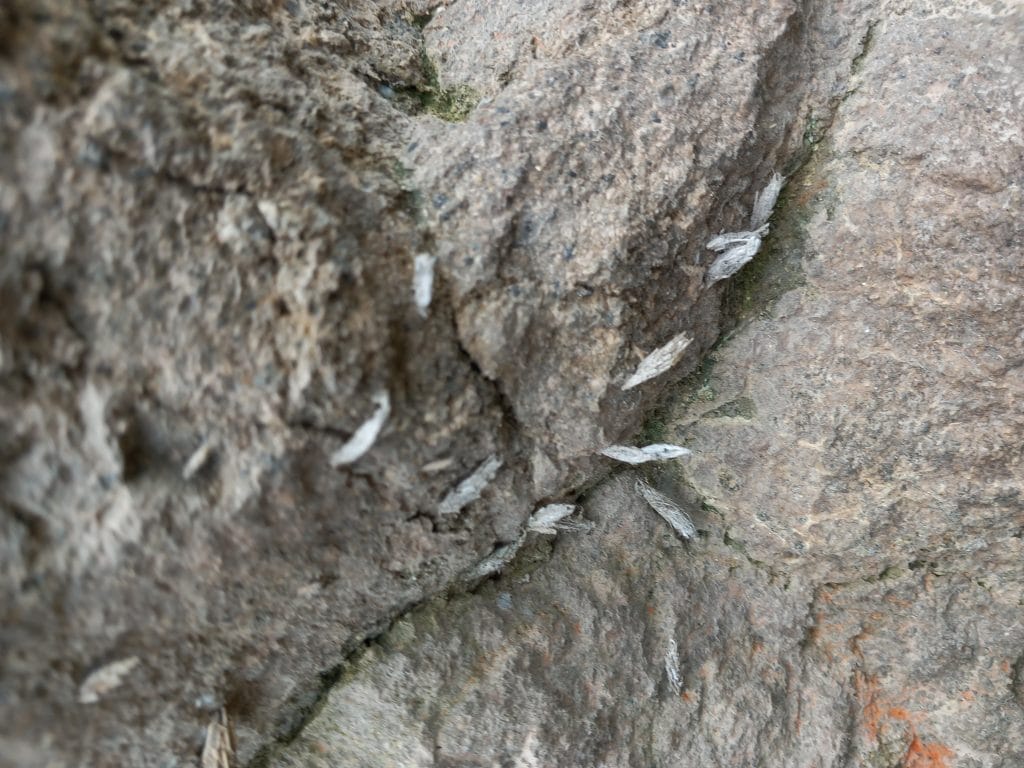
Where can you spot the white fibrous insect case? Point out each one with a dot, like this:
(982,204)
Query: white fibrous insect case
(631,454)
(469,490)
(737,248)
(423,281)
(105,679)
(219,748)
(197,460)
(729,240)
(670,512)
(545,519)
(764,201)
(497,560)
(659,361)
(734,259)
(553,518)
(364,437)
(672,667)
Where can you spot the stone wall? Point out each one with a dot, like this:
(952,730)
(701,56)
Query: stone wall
(210,215)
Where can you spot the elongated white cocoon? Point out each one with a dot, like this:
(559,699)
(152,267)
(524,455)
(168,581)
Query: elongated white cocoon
(659,361)
(631,454)
(544,520)
(670,512)
(219,748)
(727,240)
(423,281)
(730,262)
(197,459)
(105,679)
(672,667)
(364,437)
(469,490)
(764,201)
(497,560)
(740,247)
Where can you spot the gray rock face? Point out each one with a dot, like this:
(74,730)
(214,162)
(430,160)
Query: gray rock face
(855,596)
(210,214)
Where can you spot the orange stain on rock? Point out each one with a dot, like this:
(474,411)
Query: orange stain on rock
(899,713)
(871,709)
(878,714)
(923,755)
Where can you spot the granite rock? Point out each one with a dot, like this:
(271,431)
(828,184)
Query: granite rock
(210,214)
(854,597)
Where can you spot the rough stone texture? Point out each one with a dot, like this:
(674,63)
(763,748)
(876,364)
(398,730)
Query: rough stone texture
(209,213)
(855,598)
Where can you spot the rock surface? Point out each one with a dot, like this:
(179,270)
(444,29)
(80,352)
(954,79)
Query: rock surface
(855,596)
(210,214)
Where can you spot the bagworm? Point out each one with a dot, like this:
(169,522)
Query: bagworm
(469,490)
(545,518)
(672,667)
(670,512)
(105,679)
(554,518)
(738,248)
(659,361)
(364,437)
(219,747)
(727,240)
(734,259)
(497,560)
(423,281)
(631,454)
(764,201)
(197,460)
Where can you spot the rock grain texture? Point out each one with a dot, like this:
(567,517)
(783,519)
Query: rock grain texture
(210,213)
(856,596)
